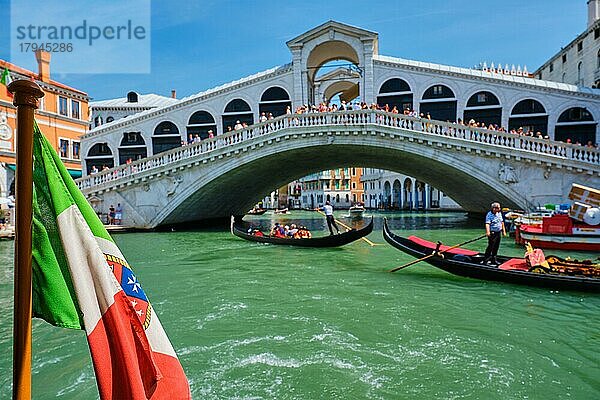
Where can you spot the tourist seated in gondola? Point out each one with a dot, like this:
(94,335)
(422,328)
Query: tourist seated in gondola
(292,231)
(255,232)
(278,231)
(303,233)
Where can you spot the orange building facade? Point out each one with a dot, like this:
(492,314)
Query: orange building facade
(357,192)
(62,117)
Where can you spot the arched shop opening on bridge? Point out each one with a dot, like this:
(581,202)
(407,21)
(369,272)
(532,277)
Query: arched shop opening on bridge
(237,110)
(530,115)
(483,107)
(439,102)
(395,92)
(99,156)
(275,100)
(333,72)
(337,81)
(166,137)
(132,147)
(199,124)
(576,124)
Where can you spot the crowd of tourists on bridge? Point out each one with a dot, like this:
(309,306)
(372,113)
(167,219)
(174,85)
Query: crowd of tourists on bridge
(349,106)
(325,107)
(426,124)
(520,131)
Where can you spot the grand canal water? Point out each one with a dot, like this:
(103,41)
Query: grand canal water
(270,322)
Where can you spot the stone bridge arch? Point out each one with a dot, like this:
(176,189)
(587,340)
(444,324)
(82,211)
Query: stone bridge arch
(227,174)
(233,186)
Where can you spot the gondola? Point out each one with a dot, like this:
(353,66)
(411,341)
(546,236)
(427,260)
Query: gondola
(257,211)
(468,263)
(237,228)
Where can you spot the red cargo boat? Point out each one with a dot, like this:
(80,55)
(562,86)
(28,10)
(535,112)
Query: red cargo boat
(560,232)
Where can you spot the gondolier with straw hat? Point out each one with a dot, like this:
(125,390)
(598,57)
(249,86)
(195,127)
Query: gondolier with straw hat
(494,228)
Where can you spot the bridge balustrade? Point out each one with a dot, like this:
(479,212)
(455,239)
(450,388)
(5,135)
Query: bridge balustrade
(356,118)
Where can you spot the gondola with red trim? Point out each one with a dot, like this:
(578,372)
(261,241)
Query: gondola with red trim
(468,263)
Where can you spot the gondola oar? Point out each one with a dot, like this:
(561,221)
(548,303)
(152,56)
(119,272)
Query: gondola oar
(347,227)
(436,253)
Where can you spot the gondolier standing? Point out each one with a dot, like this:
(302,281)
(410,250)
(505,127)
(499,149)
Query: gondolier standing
(328,210)
(494,228)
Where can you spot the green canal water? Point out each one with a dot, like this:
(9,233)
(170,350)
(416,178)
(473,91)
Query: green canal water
(252,321)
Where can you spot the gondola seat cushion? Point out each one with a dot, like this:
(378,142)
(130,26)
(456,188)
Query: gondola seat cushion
(443,248)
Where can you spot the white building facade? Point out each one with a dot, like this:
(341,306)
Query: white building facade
(578,62)
(393,191)
(560,110)
(330,185)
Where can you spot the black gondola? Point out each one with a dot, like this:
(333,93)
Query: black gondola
(323,241)
(257,211)
(468,263)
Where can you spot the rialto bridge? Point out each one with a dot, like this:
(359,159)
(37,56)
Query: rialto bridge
(228,173)
(224,175)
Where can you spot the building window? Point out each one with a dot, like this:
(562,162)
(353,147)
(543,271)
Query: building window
(437,90)
(551,67)
(564,58)
(62,106)
(131,137)
(353,185)
(580,46)
(598,60)
(481,97)
(76,150)
(75,109)
(109,119)
(596,33)
(132,97)
(64,148)
(580,74)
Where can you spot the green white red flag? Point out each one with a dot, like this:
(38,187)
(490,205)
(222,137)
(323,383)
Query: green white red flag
(82,281)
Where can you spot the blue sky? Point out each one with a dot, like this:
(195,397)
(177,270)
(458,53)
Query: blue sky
(197,45)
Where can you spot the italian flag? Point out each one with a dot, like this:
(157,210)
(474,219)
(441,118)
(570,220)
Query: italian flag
(5,80)
(82,281)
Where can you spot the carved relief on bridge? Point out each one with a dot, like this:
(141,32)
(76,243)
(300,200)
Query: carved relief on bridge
(507,174)
(172,183)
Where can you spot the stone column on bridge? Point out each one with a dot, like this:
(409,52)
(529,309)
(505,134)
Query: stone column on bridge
(366,90)
(505,117)
(299,78)
(461,104)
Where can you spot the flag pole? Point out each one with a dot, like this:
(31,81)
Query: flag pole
(26,94)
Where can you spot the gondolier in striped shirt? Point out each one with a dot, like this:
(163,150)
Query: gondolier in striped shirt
(494,228)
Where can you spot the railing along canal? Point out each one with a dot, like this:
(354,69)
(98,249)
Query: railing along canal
(345,118)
